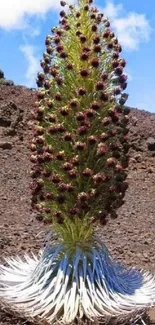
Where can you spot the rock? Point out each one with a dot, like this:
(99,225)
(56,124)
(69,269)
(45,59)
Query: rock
(151,143)
(150,170)
(146,242)
(132,160)
(143,165)
(134,120)
(5,145)
(1,74)
(120,250)
(21,137)
(10,117)
(8,82)
(138,158)
(39,217)
(10,131)
(5,121)
(135,146)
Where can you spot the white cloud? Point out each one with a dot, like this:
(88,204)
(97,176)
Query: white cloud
(33,32)
(112,11)
(33,64)
(14,13)
(131,28)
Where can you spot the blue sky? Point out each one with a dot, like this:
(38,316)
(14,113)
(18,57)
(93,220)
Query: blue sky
(24,25)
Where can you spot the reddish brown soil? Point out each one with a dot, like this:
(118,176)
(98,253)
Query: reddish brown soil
(130,237)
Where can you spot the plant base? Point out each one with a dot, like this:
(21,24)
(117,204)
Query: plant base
(56,286)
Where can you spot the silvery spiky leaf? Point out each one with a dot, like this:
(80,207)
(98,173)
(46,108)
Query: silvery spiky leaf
(59,286)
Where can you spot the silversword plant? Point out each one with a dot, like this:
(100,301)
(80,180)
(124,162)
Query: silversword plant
(80,157)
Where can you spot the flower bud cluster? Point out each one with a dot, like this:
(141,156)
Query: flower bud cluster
(80,144)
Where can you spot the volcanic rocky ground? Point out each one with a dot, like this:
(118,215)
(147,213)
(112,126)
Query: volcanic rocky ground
(130,237)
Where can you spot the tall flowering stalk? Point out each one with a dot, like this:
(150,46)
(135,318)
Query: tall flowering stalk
(80,141)
(80,156)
